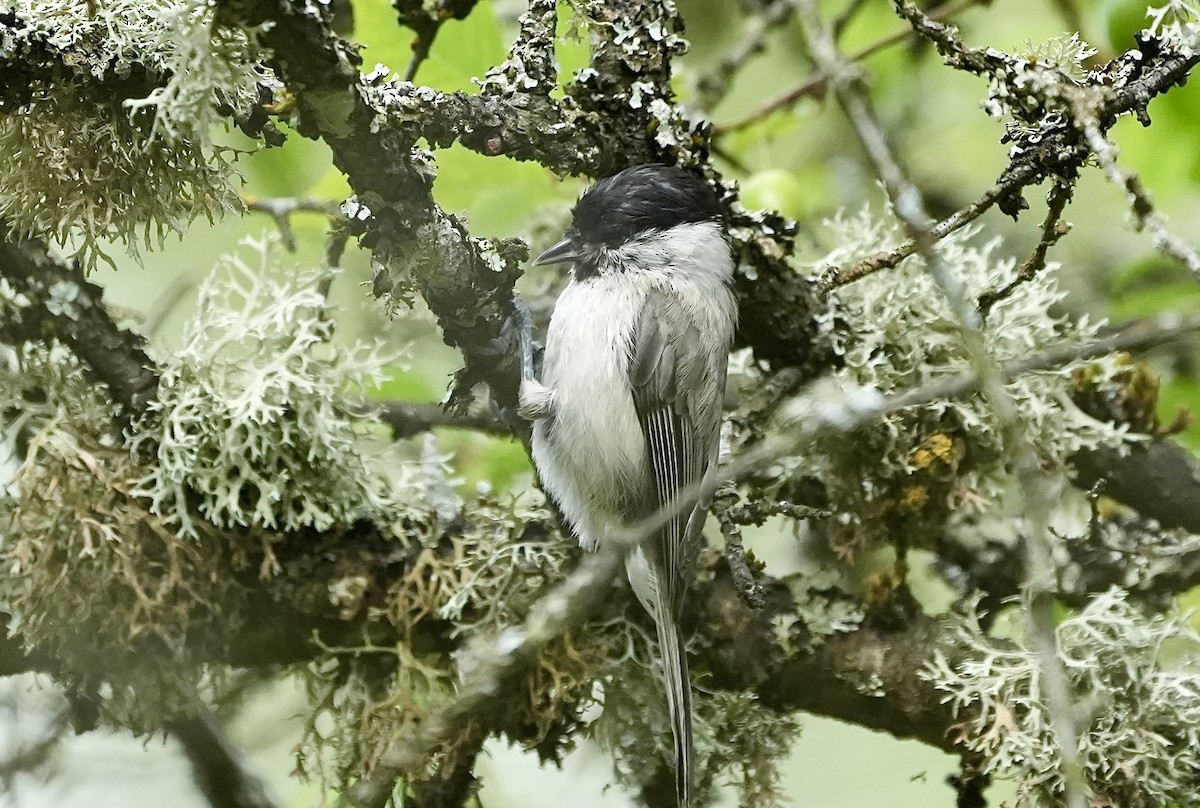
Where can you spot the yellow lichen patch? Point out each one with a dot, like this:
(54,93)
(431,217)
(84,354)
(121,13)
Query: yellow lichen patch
(913,497)
(936,449)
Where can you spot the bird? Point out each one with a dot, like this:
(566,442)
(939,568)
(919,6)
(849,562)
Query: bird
(626,417)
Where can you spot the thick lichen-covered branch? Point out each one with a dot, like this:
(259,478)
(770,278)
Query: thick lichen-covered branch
(418,247)
(616,113)
(356,590)
(327,583)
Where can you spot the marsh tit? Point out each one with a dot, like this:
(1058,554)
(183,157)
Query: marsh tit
(627,414)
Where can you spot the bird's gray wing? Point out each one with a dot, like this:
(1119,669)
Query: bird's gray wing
(677,391)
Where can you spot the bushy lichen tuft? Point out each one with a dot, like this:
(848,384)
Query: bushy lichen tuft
(894,331)
(208,67)
(1066,53)
(466,574)
(747,742)
(508,559)
(124,125)
(73,175)
(739,742)
(1137,676)
(1178,22)
(94,581)
(257,420)
(1034,88)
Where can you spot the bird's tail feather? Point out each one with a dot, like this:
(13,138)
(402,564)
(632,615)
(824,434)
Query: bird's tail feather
(679,699)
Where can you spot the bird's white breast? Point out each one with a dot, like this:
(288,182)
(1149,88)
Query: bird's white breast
(590,451)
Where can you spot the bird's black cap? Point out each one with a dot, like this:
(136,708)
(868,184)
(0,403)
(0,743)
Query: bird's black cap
(642,198)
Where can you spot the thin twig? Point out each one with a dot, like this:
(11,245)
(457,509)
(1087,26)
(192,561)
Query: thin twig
(711,87)
(814,83)
(426,21)
(217,766)
(420,52)
(732,515)
(842,21)
(490,666)
(1060,153)
(407,418)
(886,259)
(1052,230)
(749,590)
(281,209)
(1145,217)
(821,411)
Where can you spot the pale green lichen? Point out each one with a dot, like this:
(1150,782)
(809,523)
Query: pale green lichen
(258,419)
(1178,22)
(480,578)
(739,742)
(1066,53)
(91,578)
(823,607)
(750,742)
(894,331)
(87,143)
(1035,86)
(474,574)
(1137,675)
(207,66)
(503,577)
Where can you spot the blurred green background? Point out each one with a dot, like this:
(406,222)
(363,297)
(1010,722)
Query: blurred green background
(802,161)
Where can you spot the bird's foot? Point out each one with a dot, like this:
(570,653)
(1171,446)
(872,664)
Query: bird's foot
(536,400)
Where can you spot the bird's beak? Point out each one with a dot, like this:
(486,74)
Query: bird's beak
(563,251)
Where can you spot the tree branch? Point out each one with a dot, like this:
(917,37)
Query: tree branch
(814,84)
(491,666)
(59,304)
(284,625)
(466,282)
(1036,488)
(426,21)
(217,767)
(407,418)
(1126,85)
(1052,231)
(597,129)
(1156,478)
(867,676)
